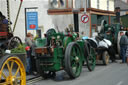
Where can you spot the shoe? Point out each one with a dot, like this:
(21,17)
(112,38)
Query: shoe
(27,73)
(113,61)
(121,62)
(34,73)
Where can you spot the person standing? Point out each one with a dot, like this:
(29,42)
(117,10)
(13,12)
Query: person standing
(31,61)
(127,49)
(123,46)
(33,58)
(28,43)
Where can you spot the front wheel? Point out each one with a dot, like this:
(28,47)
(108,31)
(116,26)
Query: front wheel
(73,62)
(12,71)
(90,56)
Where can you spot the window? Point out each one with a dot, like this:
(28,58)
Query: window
(107,4)
(58,4)
(98,4)
(66,6)
(126,1)
(88,3)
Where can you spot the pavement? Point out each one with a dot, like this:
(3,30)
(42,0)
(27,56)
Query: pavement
(112,74)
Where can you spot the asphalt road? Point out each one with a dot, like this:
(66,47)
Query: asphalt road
(113,74)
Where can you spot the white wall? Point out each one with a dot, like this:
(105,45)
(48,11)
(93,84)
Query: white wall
(63,21)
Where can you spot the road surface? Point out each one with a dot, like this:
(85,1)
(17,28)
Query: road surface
(113,74)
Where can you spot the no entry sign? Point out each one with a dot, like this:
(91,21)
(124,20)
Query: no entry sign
(84,18)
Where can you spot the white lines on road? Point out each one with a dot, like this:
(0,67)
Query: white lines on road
(120,83)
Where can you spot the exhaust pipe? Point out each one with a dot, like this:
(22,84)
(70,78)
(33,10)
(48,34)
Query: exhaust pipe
(117,10)
(76,20)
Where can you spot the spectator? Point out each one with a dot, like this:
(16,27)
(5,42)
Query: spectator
(28,43)
(31,63)
(127,49)
(123,46)
(33,58)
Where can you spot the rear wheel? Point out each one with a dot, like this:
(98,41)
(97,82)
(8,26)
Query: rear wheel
(105,57)
(73,62)
(12,71)
(90,56)
(14,42)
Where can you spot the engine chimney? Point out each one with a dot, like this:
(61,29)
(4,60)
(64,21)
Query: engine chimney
(117,10)
(76,20)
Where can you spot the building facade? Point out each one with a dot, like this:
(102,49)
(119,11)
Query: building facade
(97,10)
(58,14)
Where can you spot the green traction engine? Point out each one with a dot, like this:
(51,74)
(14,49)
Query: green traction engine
(59,51)
(111,32)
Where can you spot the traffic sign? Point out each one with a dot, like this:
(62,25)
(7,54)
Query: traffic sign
(84,18)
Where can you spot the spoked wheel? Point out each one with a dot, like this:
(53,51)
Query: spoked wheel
(12,71)
(73,62)
(90,56)
(14,42)
(105,57)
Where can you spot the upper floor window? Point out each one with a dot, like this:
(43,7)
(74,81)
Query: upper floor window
(107,4)
(126,1)
(57,3)
(63,4)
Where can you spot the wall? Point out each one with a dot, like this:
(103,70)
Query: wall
(63,21)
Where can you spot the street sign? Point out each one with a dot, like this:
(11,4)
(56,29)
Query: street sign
(32,20)
(84,18)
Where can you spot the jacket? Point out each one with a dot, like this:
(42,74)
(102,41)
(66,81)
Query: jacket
(123,40)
